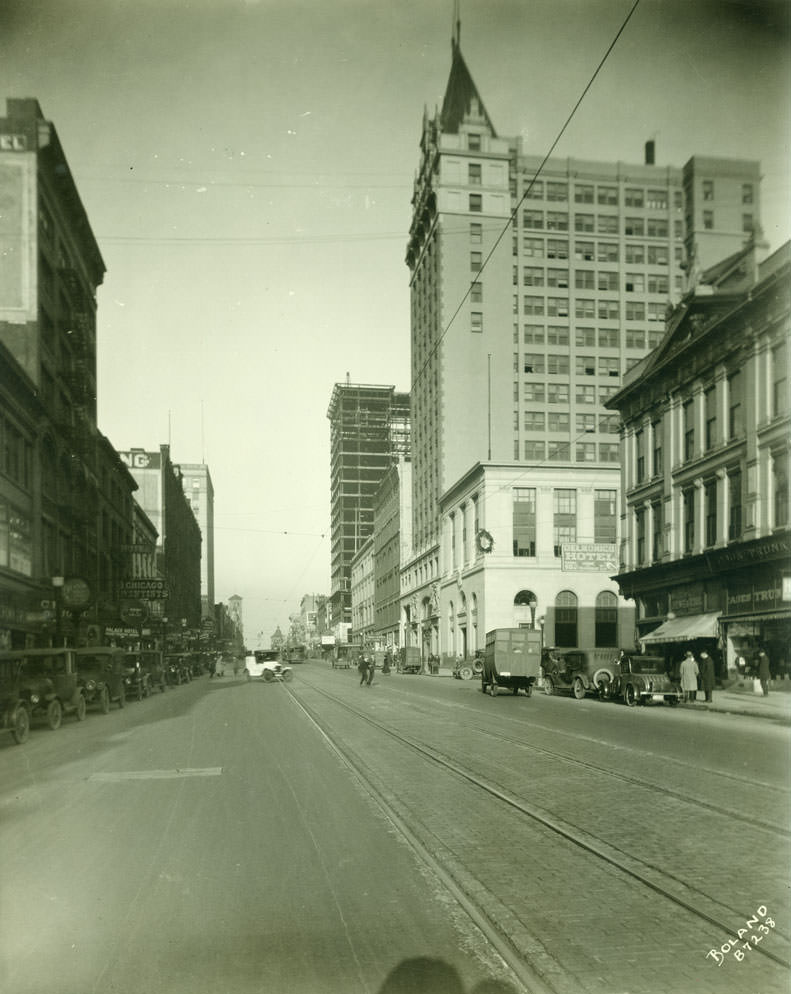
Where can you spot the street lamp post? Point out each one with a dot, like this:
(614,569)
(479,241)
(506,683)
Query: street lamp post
(533,604)
(57,583)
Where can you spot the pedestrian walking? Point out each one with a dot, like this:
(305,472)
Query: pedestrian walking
(362,666)
(371,670)
(764,672)
(707,675)
(689,677)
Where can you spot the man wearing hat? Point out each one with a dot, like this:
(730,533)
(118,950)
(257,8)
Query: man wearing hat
(689,677)
(706,667)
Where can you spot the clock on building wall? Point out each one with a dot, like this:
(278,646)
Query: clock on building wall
(76,594)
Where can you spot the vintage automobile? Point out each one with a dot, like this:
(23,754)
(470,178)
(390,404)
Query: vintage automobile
(48,683)
(642,679)
(14,717)
(153,665)
(256,662)
(100,674)
(178,668)
(409,659)
(578,671)
(135,677)
(345,655)
(466,669)
(512,660)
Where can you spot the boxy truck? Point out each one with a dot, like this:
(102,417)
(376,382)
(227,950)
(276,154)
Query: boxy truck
(512,660)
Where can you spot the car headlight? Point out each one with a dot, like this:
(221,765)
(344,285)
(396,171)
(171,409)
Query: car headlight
(90,685)
(34,698)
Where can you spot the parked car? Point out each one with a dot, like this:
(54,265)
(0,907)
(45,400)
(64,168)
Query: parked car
(178,668)
(642,679)
(135,677)
(48,683)
(14,717)
(100,673)
(578,671)
(153,664)
(466,669)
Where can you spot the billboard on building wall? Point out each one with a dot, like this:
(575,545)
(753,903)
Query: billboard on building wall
(601,557)
(137,459)
(15,235)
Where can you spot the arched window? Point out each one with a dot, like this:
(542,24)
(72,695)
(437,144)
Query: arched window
(525,604)
(606,619)
(566,619)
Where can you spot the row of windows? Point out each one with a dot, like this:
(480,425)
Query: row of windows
(608,338)
(584,365)
(543,451)
(603,224)
(748,193)
(556,393)
(587,279)
(564,518)
(587,193)
(561,421)
(589,307)
(635,253)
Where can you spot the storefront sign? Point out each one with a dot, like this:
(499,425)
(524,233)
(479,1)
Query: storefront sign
(760,551)
(145,588)
(744,598)
(601,557)
(687,600)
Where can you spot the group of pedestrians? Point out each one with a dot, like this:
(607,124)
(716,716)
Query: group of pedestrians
(700,675)
(366,668)
(693,672)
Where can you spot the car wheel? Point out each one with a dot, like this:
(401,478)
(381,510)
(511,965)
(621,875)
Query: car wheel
(247,675)
(21,726)
(529,690)
(493,688)
(54,714)
(629,696)
(121,697)
(269,676)
(288,676)
(672,701)
(81,708)
(578,689)
(104,700)
(465,673)
(549,686)
(139,694)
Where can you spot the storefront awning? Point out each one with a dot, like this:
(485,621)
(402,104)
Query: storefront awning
(695,626)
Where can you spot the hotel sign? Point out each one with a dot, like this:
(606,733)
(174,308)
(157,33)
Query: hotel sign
(601,557)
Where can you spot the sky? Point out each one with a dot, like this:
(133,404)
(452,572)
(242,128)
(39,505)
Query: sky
(247,168)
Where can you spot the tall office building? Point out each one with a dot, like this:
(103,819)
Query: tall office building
(199,491)
(534,287)
(369,430)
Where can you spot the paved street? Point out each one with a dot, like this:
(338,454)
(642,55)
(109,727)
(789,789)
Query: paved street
(234,837)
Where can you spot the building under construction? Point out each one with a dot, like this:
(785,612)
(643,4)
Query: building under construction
(369,430)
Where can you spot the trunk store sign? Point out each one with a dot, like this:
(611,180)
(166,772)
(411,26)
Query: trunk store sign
(763,596)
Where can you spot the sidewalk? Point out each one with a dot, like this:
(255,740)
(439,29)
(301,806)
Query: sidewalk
(740,698)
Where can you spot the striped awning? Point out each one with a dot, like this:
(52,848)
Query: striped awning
(694,626)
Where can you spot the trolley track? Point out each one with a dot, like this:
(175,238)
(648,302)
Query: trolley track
(682,897)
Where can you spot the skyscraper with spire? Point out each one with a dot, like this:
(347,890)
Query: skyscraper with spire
(534,286)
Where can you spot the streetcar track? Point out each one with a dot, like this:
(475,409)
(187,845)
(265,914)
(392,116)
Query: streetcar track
(590,844)
(531,980)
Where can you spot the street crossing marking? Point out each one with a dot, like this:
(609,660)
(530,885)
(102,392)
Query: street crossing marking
(208,771)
